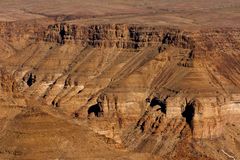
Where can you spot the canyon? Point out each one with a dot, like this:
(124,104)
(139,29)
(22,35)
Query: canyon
(120,82)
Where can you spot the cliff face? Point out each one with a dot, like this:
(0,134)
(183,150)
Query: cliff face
(139,85)
(116,35)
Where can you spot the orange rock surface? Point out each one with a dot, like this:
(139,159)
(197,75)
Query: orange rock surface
(156,80)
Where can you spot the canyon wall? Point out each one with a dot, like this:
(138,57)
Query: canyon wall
(129,81)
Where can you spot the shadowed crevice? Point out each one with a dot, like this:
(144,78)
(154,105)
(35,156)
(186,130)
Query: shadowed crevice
(31,80)
(96,109)
(189,112)
(62,34)
(156,101)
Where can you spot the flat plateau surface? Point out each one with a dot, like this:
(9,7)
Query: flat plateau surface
(155,12)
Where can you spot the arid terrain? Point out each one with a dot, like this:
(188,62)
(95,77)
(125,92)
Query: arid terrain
(120,80)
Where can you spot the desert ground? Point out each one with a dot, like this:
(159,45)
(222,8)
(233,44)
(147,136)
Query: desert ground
(117,79)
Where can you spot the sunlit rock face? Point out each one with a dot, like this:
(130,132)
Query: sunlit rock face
(139,85)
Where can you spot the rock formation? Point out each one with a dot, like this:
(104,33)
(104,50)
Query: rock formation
(152,89)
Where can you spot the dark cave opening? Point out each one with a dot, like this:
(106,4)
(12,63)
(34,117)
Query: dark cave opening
(156,101)
(189,112)
(62,34)
(96,109)
(31,80)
